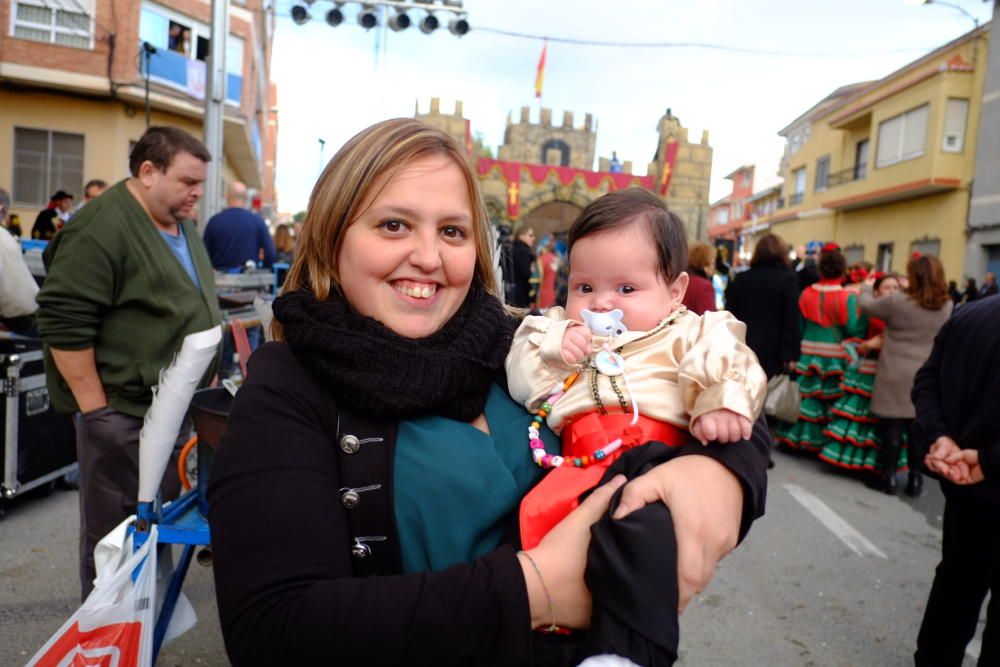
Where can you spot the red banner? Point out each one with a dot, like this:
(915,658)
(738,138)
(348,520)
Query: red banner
(540,173)
(669,161)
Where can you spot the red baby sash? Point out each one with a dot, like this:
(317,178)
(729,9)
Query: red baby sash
(558,492)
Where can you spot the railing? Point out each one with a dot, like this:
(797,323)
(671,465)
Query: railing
(182,73)
(846,176)
(796,198)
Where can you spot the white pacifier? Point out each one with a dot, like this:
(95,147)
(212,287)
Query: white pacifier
(607,362)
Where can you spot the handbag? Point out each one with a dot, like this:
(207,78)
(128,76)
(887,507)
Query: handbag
(783,400)
(115,622)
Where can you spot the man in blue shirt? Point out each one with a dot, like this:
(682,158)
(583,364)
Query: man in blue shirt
(235,235)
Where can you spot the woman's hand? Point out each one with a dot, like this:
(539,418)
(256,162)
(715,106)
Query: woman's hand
(706,501)
(873,343)
(561,557)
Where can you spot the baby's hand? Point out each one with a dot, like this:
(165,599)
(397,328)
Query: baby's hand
(721,426)
(576,344)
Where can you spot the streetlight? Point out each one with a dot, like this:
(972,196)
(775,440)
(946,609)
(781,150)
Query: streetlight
(960,8)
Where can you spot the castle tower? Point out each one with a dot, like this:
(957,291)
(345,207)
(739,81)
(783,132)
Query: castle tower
(544,143)
(682,171)
(454,124)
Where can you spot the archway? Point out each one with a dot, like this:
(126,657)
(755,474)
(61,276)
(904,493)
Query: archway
(556,216)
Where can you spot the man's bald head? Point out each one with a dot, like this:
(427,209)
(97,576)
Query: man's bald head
(236,195)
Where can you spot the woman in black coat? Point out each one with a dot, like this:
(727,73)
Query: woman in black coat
(766,299)
(522,259)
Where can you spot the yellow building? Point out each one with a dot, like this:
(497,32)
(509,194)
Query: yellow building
(884,168)
(74,91)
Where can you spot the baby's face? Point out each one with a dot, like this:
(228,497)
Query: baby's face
(621,269)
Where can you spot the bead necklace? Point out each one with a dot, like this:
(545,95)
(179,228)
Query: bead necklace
(608,362)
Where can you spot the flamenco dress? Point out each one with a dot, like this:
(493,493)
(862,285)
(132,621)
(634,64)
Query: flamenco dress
(829,316)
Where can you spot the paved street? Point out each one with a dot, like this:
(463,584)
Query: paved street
(794,594)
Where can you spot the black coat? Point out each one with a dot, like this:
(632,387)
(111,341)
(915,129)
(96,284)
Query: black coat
(766,299)
(304,578)
(955,393)
(521,261)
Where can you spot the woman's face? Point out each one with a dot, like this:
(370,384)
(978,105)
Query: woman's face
(409,259)
(888,286)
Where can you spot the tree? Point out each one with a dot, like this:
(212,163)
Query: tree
(299,217)
(479,146)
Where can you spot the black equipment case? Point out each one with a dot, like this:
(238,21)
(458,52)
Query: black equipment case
(39,444)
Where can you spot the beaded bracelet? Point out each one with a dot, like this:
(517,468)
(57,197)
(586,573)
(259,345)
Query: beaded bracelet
(552,605)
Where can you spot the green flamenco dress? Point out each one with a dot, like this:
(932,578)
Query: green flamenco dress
(854,434)
(829,316)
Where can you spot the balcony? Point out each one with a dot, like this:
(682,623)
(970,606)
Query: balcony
(177,71)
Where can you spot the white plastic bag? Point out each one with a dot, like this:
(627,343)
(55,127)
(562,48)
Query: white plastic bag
(783,400)
(108,555)
(114,625)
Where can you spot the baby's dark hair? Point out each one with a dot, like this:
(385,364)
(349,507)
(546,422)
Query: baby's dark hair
(624,207)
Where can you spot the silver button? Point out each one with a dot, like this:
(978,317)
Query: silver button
(360,550)
(350,499)
(349,444)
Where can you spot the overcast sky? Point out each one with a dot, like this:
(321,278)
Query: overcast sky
(331,85)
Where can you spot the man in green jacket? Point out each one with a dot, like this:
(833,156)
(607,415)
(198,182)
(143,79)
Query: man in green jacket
(125,283)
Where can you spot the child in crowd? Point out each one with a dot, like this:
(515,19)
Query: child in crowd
(643,369)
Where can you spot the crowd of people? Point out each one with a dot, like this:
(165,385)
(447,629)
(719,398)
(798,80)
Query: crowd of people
(461,480)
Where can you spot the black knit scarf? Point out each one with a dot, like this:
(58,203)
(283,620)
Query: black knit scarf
(373,371)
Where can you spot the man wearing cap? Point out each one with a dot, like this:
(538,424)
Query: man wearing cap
(126,282)
(808,270)
(51,219)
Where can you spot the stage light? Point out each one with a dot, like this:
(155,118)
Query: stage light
(367,18)
(335,16)
(429,24)
(400,21)
(300,14)
(458,26)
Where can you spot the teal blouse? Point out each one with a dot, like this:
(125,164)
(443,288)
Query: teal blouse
(456,486)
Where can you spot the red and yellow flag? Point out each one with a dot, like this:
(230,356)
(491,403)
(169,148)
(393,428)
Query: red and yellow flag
(540,75)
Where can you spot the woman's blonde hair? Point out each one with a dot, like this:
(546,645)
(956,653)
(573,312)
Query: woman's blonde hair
(353,180)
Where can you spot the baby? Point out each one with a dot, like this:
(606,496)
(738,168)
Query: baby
(642,369)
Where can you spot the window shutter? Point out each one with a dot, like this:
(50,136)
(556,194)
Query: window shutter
(914,133)
(889,141)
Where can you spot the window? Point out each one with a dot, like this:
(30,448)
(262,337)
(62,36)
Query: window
(854,254)
(40,21)
(722,216)
(46,161)
(902,137)
(927,247)
(822,173)
(956,111)
(799,179)
(884,261)
(861,159)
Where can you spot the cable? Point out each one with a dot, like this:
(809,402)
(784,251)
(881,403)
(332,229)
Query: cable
(671,45)
(686,45)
